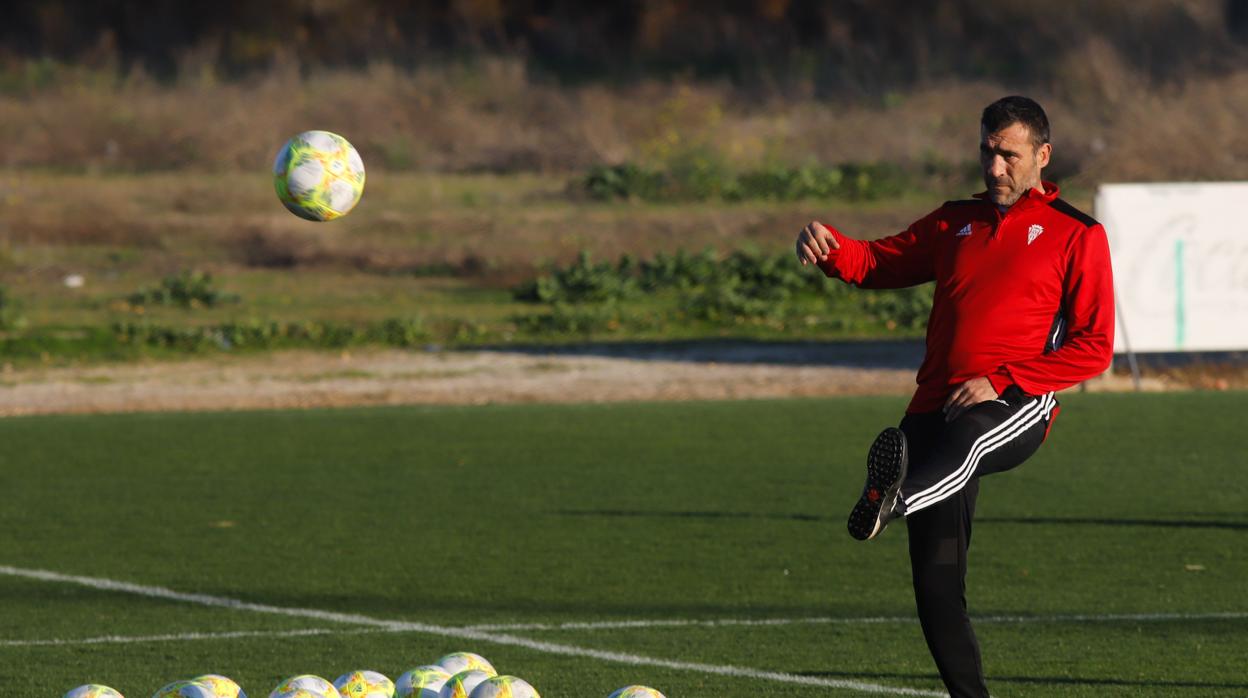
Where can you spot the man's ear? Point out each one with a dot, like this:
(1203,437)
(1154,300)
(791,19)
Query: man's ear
(1043,153)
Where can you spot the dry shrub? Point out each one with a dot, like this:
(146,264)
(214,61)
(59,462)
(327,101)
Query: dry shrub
(257,246)
(86,231)
(494,117)
(277,246)
(938,123)
(36,214)
(1191,132)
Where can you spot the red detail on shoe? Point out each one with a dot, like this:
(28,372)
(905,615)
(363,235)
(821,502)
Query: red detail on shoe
(874,495)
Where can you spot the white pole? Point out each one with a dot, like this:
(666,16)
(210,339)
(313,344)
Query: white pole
(1126,343)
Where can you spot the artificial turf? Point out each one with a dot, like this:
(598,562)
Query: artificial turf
(586,513)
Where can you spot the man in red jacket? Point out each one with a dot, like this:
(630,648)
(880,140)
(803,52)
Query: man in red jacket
(1023,307)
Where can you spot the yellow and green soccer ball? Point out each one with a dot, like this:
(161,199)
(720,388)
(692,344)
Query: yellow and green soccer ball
(318,176)
(93,690)
(504,687)
(456,662)
(421,682)
(314,685)
(364,684)
(462,684)
(221,686)
(185,689)
(636,692)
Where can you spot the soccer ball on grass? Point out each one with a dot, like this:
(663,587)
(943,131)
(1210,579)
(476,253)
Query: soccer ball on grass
(636,692)
(185,689)
(364,684)
(93,690)
(314,685)
(421,682)
(456,662)
(462,684)
(504,687)
(221,686)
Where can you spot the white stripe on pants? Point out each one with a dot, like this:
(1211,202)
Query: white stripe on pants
(1018,423)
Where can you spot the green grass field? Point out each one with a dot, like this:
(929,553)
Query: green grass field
(1111,564)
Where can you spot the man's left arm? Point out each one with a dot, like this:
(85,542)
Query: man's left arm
(1089,308)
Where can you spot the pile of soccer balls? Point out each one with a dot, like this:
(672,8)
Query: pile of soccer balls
(457,675)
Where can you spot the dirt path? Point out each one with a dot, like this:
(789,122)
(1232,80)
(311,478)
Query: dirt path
(602,374)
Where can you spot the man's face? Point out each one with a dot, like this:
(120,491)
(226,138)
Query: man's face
(1011,162)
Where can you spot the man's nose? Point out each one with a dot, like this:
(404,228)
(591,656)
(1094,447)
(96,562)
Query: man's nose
(997,170)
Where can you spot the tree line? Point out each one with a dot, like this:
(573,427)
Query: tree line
(833,44)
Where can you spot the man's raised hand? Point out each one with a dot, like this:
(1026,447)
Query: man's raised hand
(814,242)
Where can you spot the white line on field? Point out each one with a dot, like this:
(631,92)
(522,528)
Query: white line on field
(764,622)
(1114,617)
(184,637)
(607,625)
(459,633)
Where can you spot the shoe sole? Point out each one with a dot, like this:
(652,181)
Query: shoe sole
(886,469)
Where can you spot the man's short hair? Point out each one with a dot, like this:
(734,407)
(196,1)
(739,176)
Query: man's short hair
(1017,110)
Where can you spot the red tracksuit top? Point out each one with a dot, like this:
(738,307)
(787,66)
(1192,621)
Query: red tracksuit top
(1024,297)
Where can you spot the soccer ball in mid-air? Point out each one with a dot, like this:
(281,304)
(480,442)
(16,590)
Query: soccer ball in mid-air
(421,682)
(318,176)
(185,689)
(364,684)
(636,692)
(456,662)
(314,685)
(221,686)
(93,690)
(504,687)
(462,684)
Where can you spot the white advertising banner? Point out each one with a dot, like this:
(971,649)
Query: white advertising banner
(1180,256)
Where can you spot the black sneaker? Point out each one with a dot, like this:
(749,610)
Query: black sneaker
(886,469)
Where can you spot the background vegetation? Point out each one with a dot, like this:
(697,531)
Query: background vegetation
(840,45)
(482,85)
(506,140)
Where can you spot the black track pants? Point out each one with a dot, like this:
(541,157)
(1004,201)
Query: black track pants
(938,496)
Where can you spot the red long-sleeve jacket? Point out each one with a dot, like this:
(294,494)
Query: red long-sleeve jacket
(1024,297)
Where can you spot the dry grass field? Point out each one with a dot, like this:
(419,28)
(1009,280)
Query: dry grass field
(1110,121)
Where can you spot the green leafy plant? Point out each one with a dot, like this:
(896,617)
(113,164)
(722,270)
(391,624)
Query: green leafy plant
(582,281)
(721,289)
(186,289)
(257,334)
(11,317)
(706,179)
(573,319)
